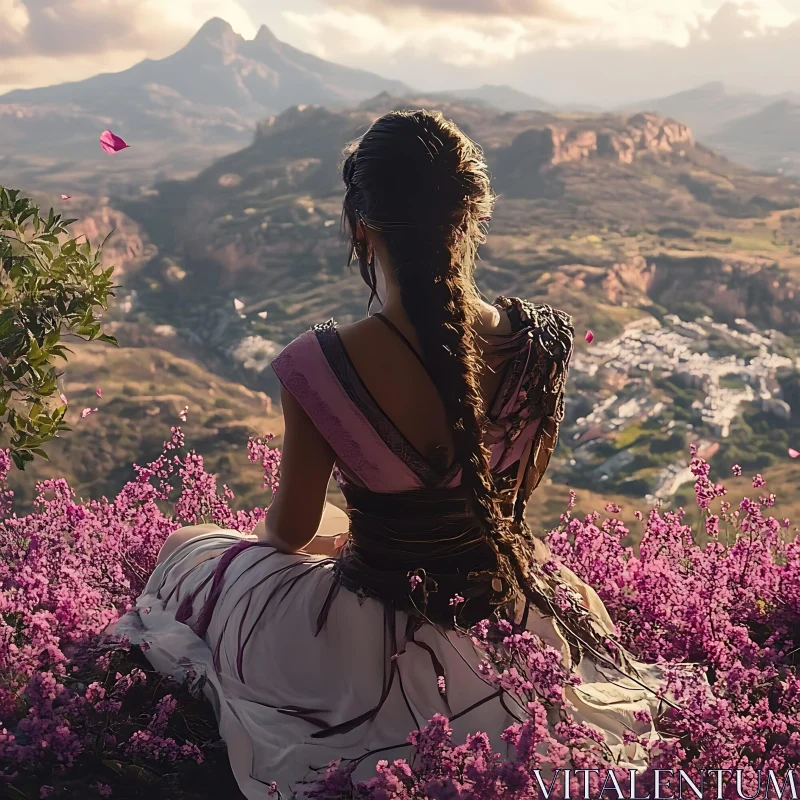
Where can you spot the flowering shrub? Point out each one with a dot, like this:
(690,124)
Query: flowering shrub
(80,714)
(85,716)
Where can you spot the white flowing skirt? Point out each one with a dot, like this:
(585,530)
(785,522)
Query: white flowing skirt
(262,652)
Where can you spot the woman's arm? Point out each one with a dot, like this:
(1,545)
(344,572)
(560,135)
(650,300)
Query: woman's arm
(306,465)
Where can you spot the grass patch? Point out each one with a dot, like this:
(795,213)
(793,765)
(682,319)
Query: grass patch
(732,381)
(630,436)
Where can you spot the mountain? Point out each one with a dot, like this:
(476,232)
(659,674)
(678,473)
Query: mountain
(705,108)
(177,113)
(767,139)
(760,131)
(504,98)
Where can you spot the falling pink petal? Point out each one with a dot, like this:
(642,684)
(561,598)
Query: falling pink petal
(86,411)
(66,196)
(589,337)
(793,453)
(98,391)
(112,143)
(63,399)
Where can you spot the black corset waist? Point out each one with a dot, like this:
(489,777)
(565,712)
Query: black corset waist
(428,533)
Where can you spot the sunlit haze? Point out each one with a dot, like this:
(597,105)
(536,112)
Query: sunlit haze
(567,51)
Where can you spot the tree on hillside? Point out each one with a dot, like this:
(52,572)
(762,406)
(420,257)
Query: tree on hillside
(51,286)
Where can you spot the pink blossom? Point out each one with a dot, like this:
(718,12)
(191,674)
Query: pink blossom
(456,600)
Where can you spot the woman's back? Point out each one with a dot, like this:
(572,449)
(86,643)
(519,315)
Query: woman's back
(368,393)
(386,355)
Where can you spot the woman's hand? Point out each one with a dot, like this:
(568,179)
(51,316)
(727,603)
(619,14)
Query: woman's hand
(324,543)
(329,546)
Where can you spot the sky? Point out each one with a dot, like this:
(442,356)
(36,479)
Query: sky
(590,52)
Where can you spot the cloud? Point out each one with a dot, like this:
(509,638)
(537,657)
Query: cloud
(743,20)
(608,52)
(15,17)
(459,43)
(48,41)
(545,9)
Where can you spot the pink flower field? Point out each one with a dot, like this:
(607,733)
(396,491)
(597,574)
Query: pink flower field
(83,715)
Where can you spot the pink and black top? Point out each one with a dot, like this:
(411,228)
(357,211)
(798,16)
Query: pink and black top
(408,515)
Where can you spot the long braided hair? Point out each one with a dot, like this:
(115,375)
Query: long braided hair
(424,185)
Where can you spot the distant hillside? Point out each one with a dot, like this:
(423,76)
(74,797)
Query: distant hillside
(706,108)
(758,130)
(767,139)
(178,113)
(596,210)
(620,219)
(504,98)
(144,391)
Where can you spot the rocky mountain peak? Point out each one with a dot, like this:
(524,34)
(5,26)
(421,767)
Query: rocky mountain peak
(216,31)
(266,37)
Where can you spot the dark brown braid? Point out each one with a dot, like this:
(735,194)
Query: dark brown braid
(416,178)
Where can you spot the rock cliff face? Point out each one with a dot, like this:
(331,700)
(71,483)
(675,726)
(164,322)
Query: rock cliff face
(127,249)
(637,276)
(642,133)
(646,133)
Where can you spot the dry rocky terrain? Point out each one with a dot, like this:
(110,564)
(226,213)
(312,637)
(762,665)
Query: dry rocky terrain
(615,218)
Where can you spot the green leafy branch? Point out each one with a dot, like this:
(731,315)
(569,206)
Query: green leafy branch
(51,286)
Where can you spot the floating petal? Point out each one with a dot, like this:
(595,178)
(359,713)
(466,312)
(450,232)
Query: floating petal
(86,411)
(112,143)
(238,304)
(793,453)
(66,196)
(98,391)
(589,337)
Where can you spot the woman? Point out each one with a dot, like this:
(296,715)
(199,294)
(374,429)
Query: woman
(438,417)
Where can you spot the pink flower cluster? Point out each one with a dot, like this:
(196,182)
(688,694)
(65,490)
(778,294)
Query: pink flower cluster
(73,702)
(732,606)
(69,694)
